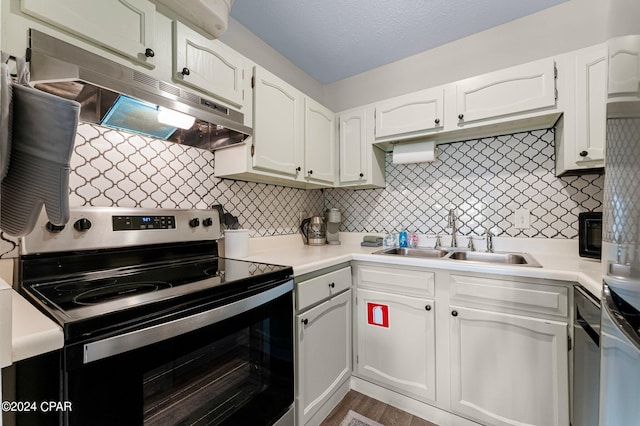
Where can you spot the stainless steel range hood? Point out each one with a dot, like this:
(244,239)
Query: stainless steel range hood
(119,97)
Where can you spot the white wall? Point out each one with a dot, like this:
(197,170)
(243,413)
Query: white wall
(623,18)
(247,43)
(568,26)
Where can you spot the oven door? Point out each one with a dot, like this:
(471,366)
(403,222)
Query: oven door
(229,365)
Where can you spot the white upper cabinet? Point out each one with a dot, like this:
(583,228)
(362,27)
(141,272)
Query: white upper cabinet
(124,26)
(361,163)
(624,67)
(319,143)
(510,91)
(293,143)
(409,115)
(352,136)
(207,65)
(278,138)
(511,100)
(581,132)
(591,106)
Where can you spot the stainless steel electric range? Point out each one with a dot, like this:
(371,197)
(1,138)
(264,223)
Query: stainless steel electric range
(158,329)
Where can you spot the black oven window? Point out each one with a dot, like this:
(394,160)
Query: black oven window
(200,387)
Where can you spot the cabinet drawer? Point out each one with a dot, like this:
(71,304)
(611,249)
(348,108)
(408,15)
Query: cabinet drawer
(405,281)
(317,289)
(510,295)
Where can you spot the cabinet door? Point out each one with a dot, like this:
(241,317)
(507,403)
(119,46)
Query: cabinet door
(509,370)
(319,143)
(624,66)
(591,106)
(324,353)
(415,112)
(353,140)
(125,26)
(277,125)
(361,164)
(207,65)
(396,342)
(510,91)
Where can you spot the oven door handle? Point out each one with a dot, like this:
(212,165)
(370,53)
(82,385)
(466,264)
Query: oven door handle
(136,339)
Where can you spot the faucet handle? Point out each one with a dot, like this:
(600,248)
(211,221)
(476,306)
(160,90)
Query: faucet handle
(438,242)
(470,245)
(489,237)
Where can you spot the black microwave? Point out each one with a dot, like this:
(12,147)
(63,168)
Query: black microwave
(590,234)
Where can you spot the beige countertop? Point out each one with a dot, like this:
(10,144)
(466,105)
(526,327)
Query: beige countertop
(5,323)
(32,333)
(559,258)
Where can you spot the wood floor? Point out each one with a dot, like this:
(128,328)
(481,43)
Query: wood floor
(373,409)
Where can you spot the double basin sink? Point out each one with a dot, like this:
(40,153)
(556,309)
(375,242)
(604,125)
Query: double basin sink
(515,259)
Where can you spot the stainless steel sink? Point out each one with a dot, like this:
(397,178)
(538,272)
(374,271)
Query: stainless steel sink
(521,259)
(512,259)
(413,252)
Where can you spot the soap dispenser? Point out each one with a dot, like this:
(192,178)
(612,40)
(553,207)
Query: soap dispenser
(403,240)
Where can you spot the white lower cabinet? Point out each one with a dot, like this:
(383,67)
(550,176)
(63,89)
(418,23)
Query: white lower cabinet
(396,342)
(500,342)
(508,346)
(508,369)
(323,345)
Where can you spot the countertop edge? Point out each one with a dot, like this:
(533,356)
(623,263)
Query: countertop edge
(33,332)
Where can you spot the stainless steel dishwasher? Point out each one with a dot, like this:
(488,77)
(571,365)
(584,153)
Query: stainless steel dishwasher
(586,358)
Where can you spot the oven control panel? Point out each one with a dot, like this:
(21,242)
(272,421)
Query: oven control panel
(91,228)
(139,223)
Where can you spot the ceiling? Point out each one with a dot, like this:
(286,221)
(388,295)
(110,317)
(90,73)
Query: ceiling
(334,39)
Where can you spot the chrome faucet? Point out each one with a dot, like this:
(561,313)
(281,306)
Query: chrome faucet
(489,237)
(451,223)
(438,242)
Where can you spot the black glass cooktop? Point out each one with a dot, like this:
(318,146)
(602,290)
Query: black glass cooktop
(106,289)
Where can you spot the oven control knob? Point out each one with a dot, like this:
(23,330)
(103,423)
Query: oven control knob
(82,225)
(194,222)
(54,229)
(207,222)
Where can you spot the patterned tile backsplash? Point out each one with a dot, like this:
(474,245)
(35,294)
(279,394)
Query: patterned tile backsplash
(111,168)
(484,180)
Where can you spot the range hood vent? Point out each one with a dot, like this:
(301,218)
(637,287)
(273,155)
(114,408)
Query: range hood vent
(119,97)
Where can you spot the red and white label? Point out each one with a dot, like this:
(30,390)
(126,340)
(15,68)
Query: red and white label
(378,315)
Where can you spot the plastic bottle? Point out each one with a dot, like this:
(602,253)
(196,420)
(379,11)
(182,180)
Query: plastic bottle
(403,240)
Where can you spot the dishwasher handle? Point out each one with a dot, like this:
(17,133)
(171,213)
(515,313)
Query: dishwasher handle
(593,334)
